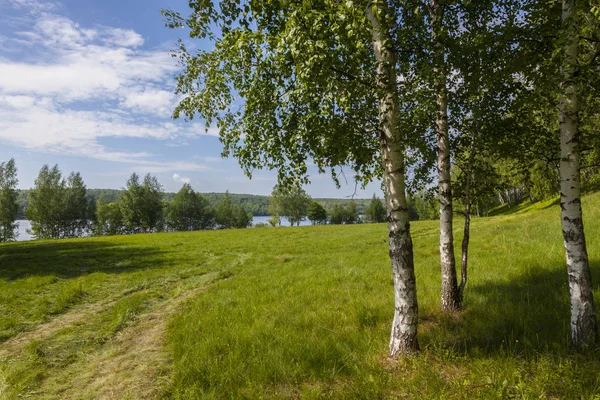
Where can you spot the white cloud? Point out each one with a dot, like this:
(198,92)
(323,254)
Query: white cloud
(36,125)
(181,179)
(84,85)
(65,83)
(61,32)
(122,37)
(18,101)
(35,6)
(88,64)
(157,101)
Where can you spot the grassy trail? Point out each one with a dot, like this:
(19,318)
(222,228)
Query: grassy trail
(290,313)
(91,332)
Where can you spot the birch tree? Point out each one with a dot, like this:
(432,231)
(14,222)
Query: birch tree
(450,298)
(319,82)
(58,207)
(583,319)
(485,60)
(569,77)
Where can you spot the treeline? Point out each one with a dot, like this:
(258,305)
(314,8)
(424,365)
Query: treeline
(296,205)
(62,207)
(143,208)
(255,204)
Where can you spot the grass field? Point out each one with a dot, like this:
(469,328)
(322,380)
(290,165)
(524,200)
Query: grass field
(290,313)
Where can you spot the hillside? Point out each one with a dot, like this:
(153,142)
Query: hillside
(290,313)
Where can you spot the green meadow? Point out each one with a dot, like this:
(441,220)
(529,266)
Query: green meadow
(300,313)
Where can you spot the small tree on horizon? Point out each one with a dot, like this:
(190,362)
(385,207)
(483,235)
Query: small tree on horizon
(338,215)
(376,211)
(57,207)
(351,215)
(317,214)
(229,215)
(9,207)
(189,211)
(109,219)
(290,202)
(75,208)
(141,204)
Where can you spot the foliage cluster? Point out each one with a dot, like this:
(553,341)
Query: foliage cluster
(8,201)
(291,202)
(58,207)
(376,211)
(345,215)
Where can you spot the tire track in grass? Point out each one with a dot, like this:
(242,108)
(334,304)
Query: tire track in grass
(135,364)
(75,316)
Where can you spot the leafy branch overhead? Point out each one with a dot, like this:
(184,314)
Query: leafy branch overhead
(307,77)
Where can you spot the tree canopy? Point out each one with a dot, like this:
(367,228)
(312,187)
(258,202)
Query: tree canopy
(58,207)
(8,201)
(189,211)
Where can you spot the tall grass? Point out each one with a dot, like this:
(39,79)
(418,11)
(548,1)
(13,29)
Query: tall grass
(310,317)
(305,312)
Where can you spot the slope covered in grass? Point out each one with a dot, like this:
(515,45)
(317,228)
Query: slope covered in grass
(290,313)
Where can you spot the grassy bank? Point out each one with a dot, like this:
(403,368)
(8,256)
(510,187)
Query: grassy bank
(290,313)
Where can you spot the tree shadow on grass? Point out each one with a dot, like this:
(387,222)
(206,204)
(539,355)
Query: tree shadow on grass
(69,259)
(528,314)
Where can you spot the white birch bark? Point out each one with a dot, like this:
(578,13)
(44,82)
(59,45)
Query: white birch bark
(403,338)
(583,320)
(450,293)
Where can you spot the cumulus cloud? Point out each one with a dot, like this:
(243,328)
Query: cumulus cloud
(157,101)
(87,64)
(86,84)
(181,179)
(122,37)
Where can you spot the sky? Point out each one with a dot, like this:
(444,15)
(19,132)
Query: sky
(88,85)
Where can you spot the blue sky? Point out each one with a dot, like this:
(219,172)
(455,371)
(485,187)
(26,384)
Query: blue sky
(88,85)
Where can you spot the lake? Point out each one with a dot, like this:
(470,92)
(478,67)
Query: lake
(284,221)
(25,224)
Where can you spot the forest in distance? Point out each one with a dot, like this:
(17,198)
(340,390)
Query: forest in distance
(421,205)
(257,205)
(59,207)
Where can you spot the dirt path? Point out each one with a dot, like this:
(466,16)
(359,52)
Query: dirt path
(135,365)
(65,358)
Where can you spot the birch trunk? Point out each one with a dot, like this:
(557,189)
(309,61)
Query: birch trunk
(583,320)
(403,338)
(450,291)
(467,228)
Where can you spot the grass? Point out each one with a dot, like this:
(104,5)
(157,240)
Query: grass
(291,313)
(523,207)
